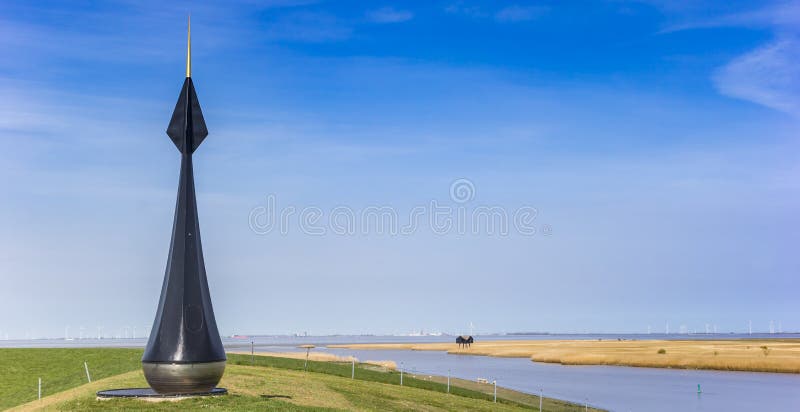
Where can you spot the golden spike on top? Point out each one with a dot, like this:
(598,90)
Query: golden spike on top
(189,49)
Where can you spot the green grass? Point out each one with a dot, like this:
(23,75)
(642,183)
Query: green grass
(232,401)
(59,369)
(363,372)
(270,383)
(265,388)
(373,374)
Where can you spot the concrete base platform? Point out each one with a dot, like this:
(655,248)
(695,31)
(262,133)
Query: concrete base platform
(150,394)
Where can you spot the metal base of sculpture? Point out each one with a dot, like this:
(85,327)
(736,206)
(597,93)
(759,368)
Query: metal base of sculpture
(150,394)
(183,377)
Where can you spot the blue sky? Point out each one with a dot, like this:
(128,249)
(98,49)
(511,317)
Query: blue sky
(657,141)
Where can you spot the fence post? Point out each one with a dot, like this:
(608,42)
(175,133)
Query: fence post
(353,371)
(252,353)
(495,390)
(401,373)
(541,394)
(40,388)
(86,366)
(586,405)
(448,381)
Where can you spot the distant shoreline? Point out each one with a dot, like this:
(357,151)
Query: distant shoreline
(744,355)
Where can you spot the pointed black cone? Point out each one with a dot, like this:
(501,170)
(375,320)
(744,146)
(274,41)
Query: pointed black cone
(187,129)
(184,352)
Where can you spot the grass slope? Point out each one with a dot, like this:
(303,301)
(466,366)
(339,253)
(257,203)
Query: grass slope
(266,383)
(60,369)
(265,388)
(466,389)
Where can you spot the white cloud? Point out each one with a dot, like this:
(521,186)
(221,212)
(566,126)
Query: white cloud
(389,15)
(468,10)
(783,15)
(519,13)
(769,76)
(508,14)
(309,27)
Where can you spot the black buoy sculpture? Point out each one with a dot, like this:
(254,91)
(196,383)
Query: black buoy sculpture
(184,354)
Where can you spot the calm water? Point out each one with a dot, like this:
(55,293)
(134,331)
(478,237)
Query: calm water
(610,387)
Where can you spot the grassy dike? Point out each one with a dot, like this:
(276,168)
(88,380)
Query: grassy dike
(60,369)
(266,382)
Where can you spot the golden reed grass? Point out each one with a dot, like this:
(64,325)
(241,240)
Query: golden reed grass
(773,355)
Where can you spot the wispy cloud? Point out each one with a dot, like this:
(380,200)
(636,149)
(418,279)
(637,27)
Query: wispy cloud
(460,7)
(783,15)
(769,76)
(515,13)
(389,15)
(308,26)
(507,14)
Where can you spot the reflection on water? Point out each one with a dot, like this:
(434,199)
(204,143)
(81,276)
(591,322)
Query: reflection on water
(611,387)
